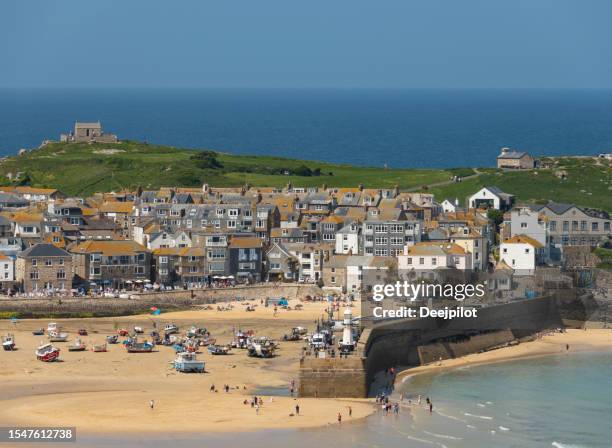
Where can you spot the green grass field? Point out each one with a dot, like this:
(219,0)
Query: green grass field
(81,169)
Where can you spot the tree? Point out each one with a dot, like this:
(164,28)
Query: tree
(497,216)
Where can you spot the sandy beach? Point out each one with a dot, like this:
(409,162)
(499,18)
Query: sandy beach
(548,344)
(110,392)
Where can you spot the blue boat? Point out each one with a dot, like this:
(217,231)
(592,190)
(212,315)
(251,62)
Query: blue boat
(187,362)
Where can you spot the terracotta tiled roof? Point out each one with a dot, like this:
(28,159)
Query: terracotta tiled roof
(124,247)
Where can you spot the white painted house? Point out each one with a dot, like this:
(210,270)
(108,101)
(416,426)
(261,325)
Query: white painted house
(449,206)
(520,253)
(491,197)
(7,268)
(347,239)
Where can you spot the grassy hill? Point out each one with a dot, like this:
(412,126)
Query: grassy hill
(81,169)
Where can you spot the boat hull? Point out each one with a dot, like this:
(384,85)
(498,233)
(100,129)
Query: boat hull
(188,367)
(49,356)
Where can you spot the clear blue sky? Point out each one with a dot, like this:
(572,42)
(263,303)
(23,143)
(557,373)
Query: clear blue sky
(307,43)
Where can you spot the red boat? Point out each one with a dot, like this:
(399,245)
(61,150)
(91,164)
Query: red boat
(47,353)
(123,332)
(82,332)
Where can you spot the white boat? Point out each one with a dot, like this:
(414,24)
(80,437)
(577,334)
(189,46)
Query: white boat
(8,342)
(171,329)
(98,348)
(47,353)
(52,327)
(78,346)
(188,362)
(138,330)
(56,336)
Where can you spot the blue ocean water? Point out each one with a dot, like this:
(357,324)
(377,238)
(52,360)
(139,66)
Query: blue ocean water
(406,128)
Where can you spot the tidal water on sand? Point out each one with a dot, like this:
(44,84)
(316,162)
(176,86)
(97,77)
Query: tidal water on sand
(555,401)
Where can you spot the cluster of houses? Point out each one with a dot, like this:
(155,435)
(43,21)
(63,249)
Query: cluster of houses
(195,237)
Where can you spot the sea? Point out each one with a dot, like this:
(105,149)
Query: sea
(558,401)
(399,128)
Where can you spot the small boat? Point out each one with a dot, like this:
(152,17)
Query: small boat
(52,326)
(47,353)
(123,332)
(138,330)
(56,336)
(155,337)
(98,348)
(39,332)
(112,339)
(218,349)
(77,346)
(82,332)
(139,347)
(188,362)
(207,341)
(171,329)
(8,342)
(195,332)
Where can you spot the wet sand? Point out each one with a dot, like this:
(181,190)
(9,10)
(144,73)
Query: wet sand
(110,392)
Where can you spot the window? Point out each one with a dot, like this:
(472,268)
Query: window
(56,239)
(48,262)
(192,258)
(553,226)
(61,274)
(94,270)
(34,262)
(523,225)
(566,226)
(232,212)
(94,257)
(527,250)
(61,262)
(594,226)
(505,250)
(138,269)
(574,225)
(275,266)
(421,260)
(163,260)
(193,269)
(333,280)
(34,275)
(607,226)
(409,260)
(583,225)
(231,224)
(434,261)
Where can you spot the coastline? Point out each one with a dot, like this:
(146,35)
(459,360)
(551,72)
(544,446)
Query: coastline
(553,343)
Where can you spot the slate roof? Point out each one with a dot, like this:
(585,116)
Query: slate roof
(44,250)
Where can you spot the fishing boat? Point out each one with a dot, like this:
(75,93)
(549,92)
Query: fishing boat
(207,341)
(195,332)
(123,332)
(218,349)
(8,342)
(77,346)
(188,362)
(52,326)
(98,348)
(39,332)
(112,339)
(56,336)
(82,332)
(138,330)
(139,347)
(171,329)
(47,353)
(258,350)
(155,337)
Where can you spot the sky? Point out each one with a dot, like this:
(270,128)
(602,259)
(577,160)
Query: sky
(306,44)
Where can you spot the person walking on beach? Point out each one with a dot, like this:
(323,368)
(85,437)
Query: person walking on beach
(430,407)
(350,411)
(297,409)
(419,400)
(257,409)
(339,418)
(152,404)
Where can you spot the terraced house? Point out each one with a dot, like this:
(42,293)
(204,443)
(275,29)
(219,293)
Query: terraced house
(43,266)
(111,263)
